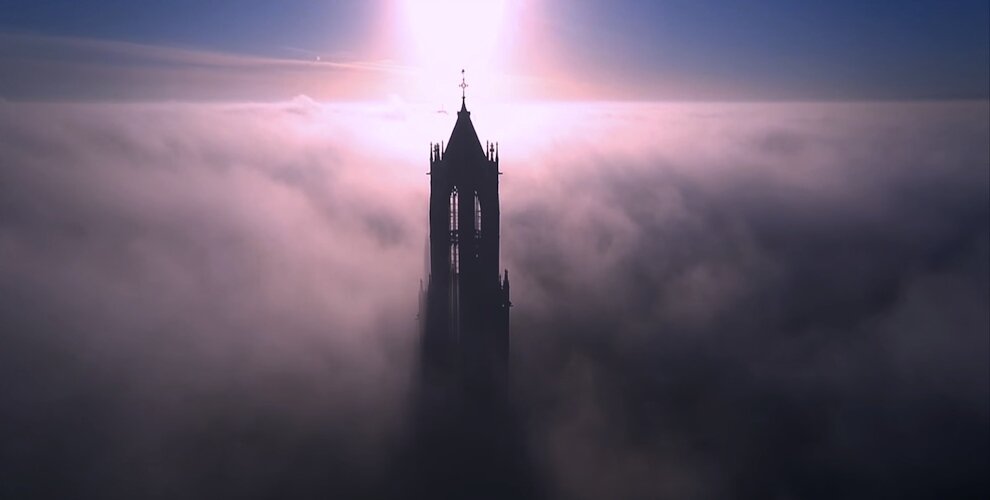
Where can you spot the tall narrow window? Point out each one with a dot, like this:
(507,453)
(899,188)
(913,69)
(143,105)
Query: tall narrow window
(455,265)
(454,253)
(477,214)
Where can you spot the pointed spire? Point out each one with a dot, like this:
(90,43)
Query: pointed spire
(463,87)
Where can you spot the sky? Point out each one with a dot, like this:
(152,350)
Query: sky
(542,49)
(749,244)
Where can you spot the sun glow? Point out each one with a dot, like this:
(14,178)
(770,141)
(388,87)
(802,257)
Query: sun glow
(445,36)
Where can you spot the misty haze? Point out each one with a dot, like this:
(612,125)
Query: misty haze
(263,250)
(220,300)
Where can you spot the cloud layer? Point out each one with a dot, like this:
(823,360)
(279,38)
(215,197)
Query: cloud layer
(759,301)
(712,300)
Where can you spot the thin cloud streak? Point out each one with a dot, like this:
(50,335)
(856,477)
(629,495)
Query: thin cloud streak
(44,67)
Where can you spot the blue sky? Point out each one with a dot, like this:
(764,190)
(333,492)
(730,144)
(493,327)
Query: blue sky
(777,49)
(243,26)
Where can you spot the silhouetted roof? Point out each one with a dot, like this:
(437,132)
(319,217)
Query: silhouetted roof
(464,142)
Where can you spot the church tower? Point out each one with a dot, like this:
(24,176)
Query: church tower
(466,324)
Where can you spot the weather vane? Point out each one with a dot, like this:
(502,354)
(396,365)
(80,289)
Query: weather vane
(463,85)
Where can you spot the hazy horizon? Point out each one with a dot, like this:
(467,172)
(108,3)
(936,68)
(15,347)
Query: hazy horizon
(749,245)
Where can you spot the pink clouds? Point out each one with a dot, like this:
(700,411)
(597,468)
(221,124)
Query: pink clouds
(181,274)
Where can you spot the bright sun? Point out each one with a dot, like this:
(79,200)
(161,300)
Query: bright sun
(445,36)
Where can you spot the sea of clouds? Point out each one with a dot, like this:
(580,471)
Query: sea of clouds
(711,300)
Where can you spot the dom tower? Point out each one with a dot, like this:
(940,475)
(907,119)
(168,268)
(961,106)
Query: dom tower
(466,321)
(467,442)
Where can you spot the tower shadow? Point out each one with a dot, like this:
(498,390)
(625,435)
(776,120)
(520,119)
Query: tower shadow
(464,443)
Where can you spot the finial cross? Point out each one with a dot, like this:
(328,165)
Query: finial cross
(463,85)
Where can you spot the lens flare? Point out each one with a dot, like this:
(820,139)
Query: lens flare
(445,36)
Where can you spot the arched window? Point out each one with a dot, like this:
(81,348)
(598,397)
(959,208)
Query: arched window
(477,214)
(454,253)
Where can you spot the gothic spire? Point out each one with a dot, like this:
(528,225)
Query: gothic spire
(463,87)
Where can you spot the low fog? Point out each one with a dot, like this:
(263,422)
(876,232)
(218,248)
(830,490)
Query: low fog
(710,300)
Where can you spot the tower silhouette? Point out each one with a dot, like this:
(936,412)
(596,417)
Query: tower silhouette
(466,321)
(466,441)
